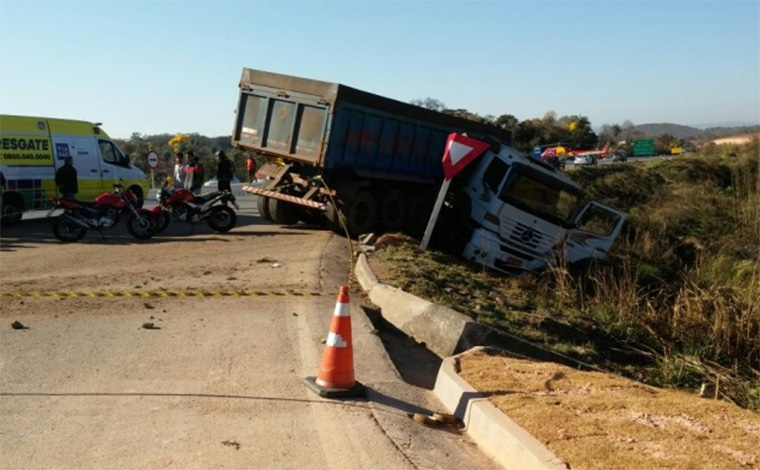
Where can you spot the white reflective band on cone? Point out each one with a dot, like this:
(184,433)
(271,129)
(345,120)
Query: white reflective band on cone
(335,340)
(341,310)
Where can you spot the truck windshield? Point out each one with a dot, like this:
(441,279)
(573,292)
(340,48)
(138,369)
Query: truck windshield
(553,202)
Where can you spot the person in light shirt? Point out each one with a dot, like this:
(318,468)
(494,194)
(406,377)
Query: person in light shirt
(179,170)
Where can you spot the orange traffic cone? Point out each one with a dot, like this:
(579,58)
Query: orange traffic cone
(336,372)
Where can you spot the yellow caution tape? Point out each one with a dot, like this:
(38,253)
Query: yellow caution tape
(165,293)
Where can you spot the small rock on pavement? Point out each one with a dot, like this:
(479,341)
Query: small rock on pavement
(150,326)
(17,325)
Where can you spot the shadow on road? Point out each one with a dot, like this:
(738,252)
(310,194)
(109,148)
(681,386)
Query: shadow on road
(417,365)
(389,404)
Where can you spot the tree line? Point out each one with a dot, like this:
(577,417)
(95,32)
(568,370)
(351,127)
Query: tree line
(166,146)
(572,131)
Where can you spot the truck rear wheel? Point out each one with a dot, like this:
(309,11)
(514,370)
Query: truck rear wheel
(311,216)
(393,210)
(334,218)
(283,213)
(262,203)
(360,213)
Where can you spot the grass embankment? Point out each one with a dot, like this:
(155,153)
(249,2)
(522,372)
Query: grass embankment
(677,302)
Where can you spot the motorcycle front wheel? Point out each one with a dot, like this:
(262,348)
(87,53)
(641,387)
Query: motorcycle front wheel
(67,230)
(222,219)
(142,227)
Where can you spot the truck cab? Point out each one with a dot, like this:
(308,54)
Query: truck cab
(525,215)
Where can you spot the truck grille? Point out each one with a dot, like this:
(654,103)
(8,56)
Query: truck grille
(528,239)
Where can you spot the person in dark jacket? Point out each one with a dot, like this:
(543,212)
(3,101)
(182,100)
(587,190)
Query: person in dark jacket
(66,179)
(223,172)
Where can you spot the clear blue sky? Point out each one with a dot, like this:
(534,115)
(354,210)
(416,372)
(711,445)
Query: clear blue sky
(165,67)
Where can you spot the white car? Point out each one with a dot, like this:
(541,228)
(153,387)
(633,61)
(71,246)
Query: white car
(585,159)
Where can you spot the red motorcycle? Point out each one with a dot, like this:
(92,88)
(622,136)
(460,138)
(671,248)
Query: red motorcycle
(184,206)
(78,217)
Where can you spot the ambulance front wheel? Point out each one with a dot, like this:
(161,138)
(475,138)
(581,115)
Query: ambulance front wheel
(12,209)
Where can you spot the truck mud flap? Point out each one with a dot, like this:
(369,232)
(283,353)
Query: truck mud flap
(285,197)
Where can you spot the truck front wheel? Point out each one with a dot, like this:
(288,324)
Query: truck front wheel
(418,214)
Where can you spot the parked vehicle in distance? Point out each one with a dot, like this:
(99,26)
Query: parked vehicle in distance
(556,162)
(619,157)
(585,159)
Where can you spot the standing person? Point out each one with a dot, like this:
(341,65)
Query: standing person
(189,171)
(223,172)
(250,167)
(197,174)
(179,171)
(66,179)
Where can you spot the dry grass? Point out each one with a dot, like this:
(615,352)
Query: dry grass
(677,303)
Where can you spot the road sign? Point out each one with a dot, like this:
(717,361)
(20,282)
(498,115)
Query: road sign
(460,151)
(537,152)
(643,148)
(152,159)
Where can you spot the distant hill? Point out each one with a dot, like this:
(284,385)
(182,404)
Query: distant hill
(676,130)
(693,133)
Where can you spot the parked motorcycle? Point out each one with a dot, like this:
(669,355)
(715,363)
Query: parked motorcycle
(78,217)
(184,206)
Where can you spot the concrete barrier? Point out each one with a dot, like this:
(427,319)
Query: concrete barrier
(449,333)
(496,434)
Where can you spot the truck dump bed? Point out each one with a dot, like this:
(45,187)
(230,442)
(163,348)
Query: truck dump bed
(335,127)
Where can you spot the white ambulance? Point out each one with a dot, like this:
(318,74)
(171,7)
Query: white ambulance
(33,148)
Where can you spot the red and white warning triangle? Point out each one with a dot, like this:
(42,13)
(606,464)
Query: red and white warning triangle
(460,151)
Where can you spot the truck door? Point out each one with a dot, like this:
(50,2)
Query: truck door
(596,228)
(86,161)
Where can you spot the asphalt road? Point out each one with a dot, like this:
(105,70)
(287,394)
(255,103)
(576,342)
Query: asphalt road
(217,381)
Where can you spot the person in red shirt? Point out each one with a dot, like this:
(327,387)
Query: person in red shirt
(194,173)
(250,167)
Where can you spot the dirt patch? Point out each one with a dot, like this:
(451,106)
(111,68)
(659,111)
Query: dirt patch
(593,420)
